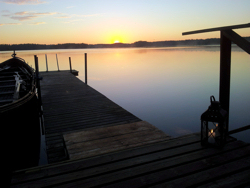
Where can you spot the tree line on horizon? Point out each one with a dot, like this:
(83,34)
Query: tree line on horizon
(190,42)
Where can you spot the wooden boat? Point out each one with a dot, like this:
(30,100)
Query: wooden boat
(19,113)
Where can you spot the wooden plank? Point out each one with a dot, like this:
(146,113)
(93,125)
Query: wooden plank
(239,179)
(81,112)
(100,170)
(106,132)
(81,125)
(237,39)
(158,170)
(212,174)
(105,140)
(217,29)
(183,175)
(144,151)
(81,120)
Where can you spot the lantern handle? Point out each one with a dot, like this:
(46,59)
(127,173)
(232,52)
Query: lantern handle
(212,99)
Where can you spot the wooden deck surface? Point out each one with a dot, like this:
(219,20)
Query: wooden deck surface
(70,105)
(178,162)
(87,119)
(88,143)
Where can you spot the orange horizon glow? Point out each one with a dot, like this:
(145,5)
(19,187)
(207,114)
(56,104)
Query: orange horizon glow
(30,21)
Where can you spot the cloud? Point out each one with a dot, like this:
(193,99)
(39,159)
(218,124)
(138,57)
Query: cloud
(70,7)
(63,17)
(73,21)
(6,15)
(21,13)
(34,23)
(34,14)
(77,16)
(23,2)
(23,18)
(44,13)
(5,11)
(89,15)
(37,23)
(10,24)
(27,15)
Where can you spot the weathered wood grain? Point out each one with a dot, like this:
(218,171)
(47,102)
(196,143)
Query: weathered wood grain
(109,139)
(124,158)
(178,162)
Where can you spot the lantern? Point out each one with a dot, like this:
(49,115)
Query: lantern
(214,125)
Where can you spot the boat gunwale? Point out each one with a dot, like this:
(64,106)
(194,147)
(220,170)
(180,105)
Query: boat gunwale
(30,94)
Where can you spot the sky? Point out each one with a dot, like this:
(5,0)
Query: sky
(109,21)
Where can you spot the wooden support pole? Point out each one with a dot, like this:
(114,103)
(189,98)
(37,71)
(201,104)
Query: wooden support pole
(70,64)
(46,63)
(39,92)
(225,71)
(86,76)
(38,80)
(57,63)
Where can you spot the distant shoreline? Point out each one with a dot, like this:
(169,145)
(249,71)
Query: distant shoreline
(190,42)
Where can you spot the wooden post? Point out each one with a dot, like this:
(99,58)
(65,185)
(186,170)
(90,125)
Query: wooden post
(225,71)
(70,64)
(57,63)
(38,80)
(39,92)
(86,81)
(46,63)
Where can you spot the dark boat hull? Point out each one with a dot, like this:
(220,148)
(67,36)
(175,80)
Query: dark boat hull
(23,134)
(20,121)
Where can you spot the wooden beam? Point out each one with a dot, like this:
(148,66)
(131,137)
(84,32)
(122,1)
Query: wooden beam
(239,129)
(225,71)
(217,29)
(237,39)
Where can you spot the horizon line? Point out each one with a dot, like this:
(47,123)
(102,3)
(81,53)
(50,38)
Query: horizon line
(116,43)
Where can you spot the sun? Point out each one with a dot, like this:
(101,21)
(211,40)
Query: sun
(117,41)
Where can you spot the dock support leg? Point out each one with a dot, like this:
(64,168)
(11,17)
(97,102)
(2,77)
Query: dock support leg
(46,63)
(70,65)
(86,76)
(57,63)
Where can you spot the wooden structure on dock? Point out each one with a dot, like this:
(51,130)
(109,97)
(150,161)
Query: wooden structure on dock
(227,36)
(179,162)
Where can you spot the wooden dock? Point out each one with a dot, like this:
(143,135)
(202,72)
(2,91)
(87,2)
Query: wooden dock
(93,142)
(71,106)
(179,162)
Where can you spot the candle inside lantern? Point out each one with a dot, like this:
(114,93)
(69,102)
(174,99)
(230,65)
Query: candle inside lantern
(211,136)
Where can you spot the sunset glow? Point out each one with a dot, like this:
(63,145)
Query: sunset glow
(113,21)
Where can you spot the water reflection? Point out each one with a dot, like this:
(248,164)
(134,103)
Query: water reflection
(168,87)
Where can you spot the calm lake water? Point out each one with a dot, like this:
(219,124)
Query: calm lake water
(167,87)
